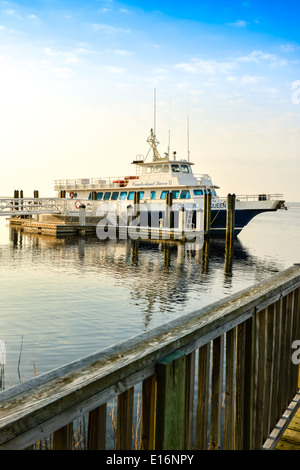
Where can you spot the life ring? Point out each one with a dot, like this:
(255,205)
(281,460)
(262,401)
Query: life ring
(77,204)
(71,195)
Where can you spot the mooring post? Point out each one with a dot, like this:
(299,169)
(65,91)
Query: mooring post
(136,205)
(168,221)
(207,213)
(82,214)
(230,218)
(230,223)
(16,196)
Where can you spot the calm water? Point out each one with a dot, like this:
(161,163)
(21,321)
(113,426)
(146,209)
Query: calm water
(64,298)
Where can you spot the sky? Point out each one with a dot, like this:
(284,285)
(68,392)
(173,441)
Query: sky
(78,80)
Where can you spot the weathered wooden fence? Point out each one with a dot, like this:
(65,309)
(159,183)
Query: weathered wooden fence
(220,377)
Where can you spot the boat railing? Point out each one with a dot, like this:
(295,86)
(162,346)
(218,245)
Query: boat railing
(92,183)
(257,197)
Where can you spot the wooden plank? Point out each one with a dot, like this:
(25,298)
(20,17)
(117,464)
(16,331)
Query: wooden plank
(250,355)
(89,382)
(202,398)
(289,336)
(260,375)
(230,390)
(276,380)
(240,387)
(216,393)
(269,371)
(189,400)
(170,407)
(97,428)
(124,420)
(295,336)
(63,438)
(148,413)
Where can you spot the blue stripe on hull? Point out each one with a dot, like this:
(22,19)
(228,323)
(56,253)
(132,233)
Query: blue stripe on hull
(242,218)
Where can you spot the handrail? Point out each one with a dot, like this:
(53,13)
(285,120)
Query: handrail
(51,401)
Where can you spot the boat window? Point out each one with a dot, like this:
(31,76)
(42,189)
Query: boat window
(157,169)
(198,192)
(175,168)
(163,194)
(90,196)
(185,168)
(142,194)
(130,196)
(152,195)
(149,169)
(208,191)
(106,196)
(175,193)
(214,192)
(123,195)
(185,194)
(165,168)
(99,196)
(114,196)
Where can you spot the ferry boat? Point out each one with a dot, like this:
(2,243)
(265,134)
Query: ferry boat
(154,181)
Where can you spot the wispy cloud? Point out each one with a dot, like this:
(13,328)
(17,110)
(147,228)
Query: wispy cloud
(122,52)
(207,67)
(258,56)
(109,29)
(239,24)
(113,69)
(251,79)
(69,57)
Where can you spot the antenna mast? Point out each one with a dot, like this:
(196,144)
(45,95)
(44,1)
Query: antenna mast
(188,130)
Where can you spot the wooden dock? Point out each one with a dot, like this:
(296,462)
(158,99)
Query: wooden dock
(290,439)
(221,377)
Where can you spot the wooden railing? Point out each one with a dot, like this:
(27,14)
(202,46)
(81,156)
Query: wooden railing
(219,377)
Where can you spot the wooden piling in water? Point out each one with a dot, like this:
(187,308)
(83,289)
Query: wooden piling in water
(207,213)
(230,224)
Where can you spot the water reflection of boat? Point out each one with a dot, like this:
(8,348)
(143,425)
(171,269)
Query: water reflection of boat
(160,277)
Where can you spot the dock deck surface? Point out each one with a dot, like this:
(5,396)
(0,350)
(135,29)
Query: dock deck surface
(290,440)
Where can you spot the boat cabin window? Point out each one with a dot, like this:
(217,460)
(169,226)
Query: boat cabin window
(163,194)
(152,195)
(106,196)
(208,191)
(99,196)
(214,192)
(185,168)
(185,194)
(123,195)
(175,168)
(149,169)
(141,194)
(165,168)
(175,193)
(157,169)
(114,196)
(130,196)
(198,192)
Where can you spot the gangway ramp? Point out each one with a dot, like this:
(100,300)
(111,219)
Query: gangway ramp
(29,206)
